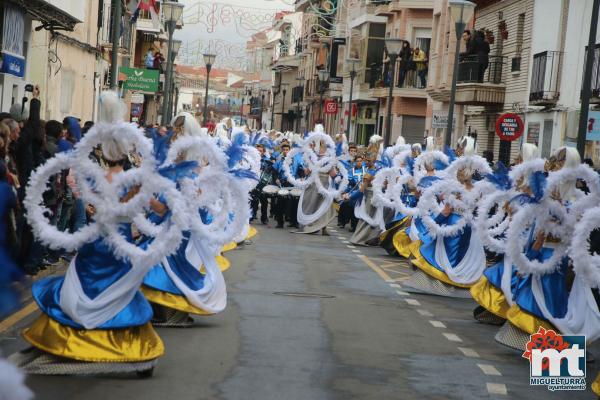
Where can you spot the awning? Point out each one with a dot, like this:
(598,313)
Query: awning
(51,16)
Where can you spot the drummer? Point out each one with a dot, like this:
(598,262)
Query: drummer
(286,205)
(267,175)
(355,177)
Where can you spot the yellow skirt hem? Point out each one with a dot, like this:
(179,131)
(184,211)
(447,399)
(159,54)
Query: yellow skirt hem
(171,300)
(135,344)
(490,297)
(433,272)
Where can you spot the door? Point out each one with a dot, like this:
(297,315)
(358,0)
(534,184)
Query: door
(413,129)
(547,138)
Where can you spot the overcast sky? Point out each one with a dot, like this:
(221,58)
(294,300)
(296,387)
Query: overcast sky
(228,32)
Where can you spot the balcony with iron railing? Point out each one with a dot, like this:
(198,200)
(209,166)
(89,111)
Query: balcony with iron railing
(545,78)
(408,82)
(480,84)
(386,7)
(595,99)
(126,38)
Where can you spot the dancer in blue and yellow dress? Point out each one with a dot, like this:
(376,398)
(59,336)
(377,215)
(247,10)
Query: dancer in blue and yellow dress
(494,291)
(456,259)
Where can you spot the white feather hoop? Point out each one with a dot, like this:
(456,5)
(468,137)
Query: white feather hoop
(526,169)
(452,192)
(471,164)
(404,179)
(549,217)
(585,263)
(570,176)
(385,177)
(491,229)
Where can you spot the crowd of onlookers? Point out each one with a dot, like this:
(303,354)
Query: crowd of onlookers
(26,142)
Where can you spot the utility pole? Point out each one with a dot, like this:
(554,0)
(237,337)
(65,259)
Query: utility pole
(116,36)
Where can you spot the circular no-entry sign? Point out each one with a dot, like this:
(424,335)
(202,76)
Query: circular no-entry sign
(509,127)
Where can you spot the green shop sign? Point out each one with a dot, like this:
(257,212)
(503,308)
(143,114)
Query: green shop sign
(144,80)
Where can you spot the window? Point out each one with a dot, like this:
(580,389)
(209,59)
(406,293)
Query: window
(67,87)
(516,61)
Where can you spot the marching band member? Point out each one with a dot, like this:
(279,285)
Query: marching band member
(286,206)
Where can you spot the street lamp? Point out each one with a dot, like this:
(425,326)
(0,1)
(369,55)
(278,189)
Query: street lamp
(299,90)
(323,78)
(274,92)
(283,91)
(209,60)
(172,13)
(393,47)
(176,47)
(462,11)
(352,63)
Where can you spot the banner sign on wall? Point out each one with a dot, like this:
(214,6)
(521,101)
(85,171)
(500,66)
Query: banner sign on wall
(13,32)
(593,126)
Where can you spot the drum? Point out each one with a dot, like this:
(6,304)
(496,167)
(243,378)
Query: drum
(283,193)
(295,192)
(270,190)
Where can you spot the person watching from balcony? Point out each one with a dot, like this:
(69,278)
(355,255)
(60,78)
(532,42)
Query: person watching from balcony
(149,61)
(386,68)
(482,47)
(469,45)
(420,59)
(158,60)
(405,62)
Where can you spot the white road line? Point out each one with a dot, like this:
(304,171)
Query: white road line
(401,293)
(356,251)
(425,313)
(469,352)
(350,246)
(395,285)
(345,242)
(489,369)
(412,302)
(333,230)
(496,388)
(452,337)
(438,324)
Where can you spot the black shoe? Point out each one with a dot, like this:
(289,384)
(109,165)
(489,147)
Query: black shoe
(279,226)
(264,221)
(293,226)
(352,230)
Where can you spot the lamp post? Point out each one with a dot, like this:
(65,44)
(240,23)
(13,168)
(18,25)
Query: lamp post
(209,60)
(587,82)
(116,33)
(262,107)
(323,77)
(393,47)
(462,11)
(175,51)
(274,92)
(351,62)
(300,80)
(172,13)
(283,92)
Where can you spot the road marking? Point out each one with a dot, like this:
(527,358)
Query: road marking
(350,246)
(496,388)
(437,324)
(452,337)
(356,251)
(489,369)
(333,230)
(401,293)
(469,352)
(425,313)
(345,242)
(18,316)
(395,285)
(412,302)
(375,268)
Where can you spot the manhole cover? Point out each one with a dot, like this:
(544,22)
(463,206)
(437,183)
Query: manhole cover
(303,294)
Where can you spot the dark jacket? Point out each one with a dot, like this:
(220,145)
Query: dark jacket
(28,139)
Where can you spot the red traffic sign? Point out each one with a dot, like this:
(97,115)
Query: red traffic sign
(509,127)
(331,107)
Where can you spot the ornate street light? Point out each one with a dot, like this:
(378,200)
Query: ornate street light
(299,89)
(393,47)
(323,78)
(172,12)
(209,60)
(351,63)
(462,11)
(176,47)
(283,92)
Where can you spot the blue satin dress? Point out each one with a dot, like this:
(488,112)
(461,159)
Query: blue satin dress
(456,246)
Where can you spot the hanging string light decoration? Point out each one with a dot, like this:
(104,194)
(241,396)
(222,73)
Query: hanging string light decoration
(230,55)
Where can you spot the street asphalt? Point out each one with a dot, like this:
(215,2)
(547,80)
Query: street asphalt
(310,318)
